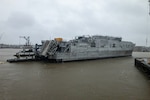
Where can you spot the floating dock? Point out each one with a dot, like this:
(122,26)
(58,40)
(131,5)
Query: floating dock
(143,64)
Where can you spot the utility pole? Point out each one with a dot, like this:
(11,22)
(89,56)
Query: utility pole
(1,36)
(0,39)
(148,24)
(149,7)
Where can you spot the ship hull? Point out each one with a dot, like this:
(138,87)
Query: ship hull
(89,55)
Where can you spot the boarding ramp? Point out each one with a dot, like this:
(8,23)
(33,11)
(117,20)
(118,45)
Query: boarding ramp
(49,48)
(52,47)
(45,48)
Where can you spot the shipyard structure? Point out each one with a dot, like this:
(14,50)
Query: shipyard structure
(80,48)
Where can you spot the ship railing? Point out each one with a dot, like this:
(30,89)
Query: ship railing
(52,52)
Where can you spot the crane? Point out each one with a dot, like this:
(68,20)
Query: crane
(27,38)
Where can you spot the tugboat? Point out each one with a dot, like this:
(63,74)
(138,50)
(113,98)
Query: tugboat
(27,53)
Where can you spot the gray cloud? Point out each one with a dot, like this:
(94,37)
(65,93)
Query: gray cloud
(68,18)
(20,20)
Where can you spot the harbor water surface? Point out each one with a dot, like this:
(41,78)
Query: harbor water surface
(103,79)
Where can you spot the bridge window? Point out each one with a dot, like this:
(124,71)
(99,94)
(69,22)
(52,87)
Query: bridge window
(93,44)
(114,45)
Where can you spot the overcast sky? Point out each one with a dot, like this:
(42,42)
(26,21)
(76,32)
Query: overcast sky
(47,19)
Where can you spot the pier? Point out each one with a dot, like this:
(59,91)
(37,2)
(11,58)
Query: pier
(143,64)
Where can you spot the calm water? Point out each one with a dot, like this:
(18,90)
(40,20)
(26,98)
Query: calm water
(105,79)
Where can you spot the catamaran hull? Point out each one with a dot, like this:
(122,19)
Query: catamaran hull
(89,55)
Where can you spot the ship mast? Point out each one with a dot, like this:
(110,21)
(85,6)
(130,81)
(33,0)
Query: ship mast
(27,40)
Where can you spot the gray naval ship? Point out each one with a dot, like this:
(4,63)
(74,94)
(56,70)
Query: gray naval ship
(85,47)
(80,48)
